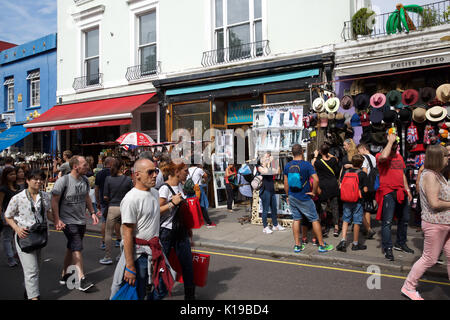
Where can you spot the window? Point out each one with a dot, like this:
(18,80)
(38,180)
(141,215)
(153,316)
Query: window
(34,79)
(238,23)
(147,42)
(9,85)
(149,121)
(92,57)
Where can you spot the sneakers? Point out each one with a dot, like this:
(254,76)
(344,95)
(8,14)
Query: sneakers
(85,284)
(267,230)
(304,240)
(403,248)
(299,248)
(278,228)
(358,246)
(388,254)
(314,241)
(106,261)
(325,248)
(370,234)
(342,246)
(12,262)
(103,246)
(212,225)
(413,295)
(64,278)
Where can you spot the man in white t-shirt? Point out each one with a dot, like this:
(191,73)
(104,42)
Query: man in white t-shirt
(140,213)
(363,149)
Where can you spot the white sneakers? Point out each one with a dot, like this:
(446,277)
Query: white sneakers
(267,229)
(413,295)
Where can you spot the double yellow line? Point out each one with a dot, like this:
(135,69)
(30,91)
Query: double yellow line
(298,264)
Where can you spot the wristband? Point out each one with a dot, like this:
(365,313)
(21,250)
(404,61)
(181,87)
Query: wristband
(132,272)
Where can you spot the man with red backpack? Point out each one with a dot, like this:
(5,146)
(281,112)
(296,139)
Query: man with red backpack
(353,187)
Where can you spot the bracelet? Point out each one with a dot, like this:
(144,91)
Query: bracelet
(132,272)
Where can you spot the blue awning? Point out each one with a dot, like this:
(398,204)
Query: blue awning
(12,136)
(245,82)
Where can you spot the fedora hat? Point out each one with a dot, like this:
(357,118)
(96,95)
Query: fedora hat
(347,102)
(355,121)
(443,93)
(323,119)
(390,116)
(318,105)
(378,100)
(362,101)
(427,94)
(376,116)
(419,115)
(410,97)
(436,114)
(405,115)
(332,105)
(393,98)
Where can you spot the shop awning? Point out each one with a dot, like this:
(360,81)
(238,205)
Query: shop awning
(12,136)
(99,113)
(245,82)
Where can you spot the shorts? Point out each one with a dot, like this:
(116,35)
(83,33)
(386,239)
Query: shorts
(74,234)
(353,211)
(305,208)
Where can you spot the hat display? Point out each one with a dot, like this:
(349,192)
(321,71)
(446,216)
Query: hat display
(332,105)
(410,97)
(347,102)
(419,115)
(323,119)
(376,116)
(436,114)
(443,93)
(357,87)
(355,121)
(393,98)
(418,148)
(427,94)
(318,105)
(362,101)
(405,115)
(364,119)
(379,138)
(378,100)
(390,116)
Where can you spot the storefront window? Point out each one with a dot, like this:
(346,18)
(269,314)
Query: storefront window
(184,116)
(218,112)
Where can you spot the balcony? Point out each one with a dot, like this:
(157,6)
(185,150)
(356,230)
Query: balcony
(143,71)
(236,53)
(433,14)
(91,81)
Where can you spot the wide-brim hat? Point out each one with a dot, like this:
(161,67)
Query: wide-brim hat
(378,100)
(443,93)
(419,115)
(362,101)
(332,105)
(379,138)
(390,116)
(405,115)
(393,98)
(410,97)
(318,105)
(436,114)
(376,116)
(355,121)
(427,94)
(347,102)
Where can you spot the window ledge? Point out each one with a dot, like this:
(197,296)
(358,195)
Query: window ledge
(91,88)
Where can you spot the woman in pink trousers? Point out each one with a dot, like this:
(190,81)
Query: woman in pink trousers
(435,203)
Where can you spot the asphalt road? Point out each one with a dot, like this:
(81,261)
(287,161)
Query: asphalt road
(232,276)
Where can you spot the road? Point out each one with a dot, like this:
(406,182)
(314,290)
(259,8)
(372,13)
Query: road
(232,276)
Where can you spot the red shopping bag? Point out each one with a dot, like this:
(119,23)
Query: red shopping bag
(192,213)
(200,264)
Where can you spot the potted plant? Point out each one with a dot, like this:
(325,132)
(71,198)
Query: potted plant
(360,21)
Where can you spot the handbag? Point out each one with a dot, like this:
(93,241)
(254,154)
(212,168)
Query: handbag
(37,235)
(200,264)
(126,292)
(368,206)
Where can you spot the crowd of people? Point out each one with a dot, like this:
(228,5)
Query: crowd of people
(142,209)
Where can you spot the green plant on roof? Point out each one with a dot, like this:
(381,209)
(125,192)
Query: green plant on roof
(361,21)
(447,14)
(430,18)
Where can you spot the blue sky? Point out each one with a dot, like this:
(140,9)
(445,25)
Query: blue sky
(25,20)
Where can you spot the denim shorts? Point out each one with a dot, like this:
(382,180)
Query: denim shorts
(74,234)
(353,211)
(307,208)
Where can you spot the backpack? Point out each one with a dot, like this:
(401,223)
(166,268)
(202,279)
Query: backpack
(295,179)
(374,176)
(257,182)
(189,185)
(66,185)
(350,187)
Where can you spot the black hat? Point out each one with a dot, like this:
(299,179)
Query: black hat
(379,138)
(427,94)
(405,115)
(362,101)
(390,116)
(378,127)
(376,116)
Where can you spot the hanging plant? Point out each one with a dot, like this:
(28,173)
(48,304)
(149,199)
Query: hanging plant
(361,21)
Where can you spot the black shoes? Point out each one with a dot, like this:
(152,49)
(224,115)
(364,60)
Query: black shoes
(388,254)
(359,246)
(370,234)
(85,284)
(403,248)
(342,246)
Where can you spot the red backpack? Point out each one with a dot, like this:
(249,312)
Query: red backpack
(350,187)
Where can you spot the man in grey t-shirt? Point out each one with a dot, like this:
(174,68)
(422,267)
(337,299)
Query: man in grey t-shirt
(65,167)
(70,197)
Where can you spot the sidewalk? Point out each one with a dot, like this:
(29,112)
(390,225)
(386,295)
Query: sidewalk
(230,234)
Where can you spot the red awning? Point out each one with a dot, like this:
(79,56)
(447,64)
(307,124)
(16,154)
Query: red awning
(99,113)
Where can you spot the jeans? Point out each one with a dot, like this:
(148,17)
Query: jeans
(269,201)
(230,196)
(141,265)
(8,238)
(390,207)
(353,212)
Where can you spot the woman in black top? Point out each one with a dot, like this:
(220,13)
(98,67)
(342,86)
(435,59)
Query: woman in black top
(8,189)
(328,170)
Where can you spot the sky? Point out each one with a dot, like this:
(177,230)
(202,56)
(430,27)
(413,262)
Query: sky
(22,21)
(26,20)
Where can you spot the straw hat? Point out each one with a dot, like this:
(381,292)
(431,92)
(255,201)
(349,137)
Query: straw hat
(419,115)
(318,105)
(332,105)
(436,114)
(443,93)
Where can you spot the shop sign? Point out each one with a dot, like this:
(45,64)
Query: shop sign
(240,111)
(419,62)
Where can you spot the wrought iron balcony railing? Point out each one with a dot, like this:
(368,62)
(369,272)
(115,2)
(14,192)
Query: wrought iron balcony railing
(430,15)
(236,53)
(143,71)
(93,80)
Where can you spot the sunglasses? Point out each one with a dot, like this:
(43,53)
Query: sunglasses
(152,171)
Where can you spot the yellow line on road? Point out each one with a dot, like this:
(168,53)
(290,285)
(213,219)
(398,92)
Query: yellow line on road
(295,263)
